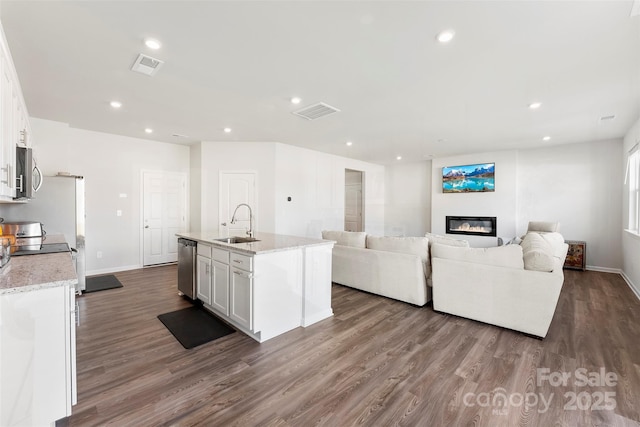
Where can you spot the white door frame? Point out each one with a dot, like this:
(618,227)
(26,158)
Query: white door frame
(254,209)
(362,197)
(186,201)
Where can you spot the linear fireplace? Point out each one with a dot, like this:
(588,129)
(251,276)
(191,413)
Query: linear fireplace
(472,225)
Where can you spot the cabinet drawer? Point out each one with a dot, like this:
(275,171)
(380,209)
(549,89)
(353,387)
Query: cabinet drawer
(204,250)
(220,255)
(243,262)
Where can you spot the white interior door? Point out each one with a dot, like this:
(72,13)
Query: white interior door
(236,188)
(164,214)
(353,201)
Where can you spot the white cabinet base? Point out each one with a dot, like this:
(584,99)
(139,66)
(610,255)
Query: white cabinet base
(35,357)
(285,290)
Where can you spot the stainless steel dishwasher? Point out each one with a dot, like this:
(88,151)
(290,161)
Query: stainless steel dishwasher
(187,267)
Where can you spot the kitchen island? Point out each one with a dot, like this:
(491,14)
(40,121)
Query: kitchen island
(266,287)
(37,338)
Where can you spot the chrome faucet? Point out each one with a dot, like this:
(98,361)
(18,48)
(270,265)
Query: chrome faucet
(233,218)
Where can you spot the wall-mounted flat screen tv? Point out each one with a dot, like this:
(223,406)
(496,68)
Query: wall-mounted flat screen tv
(469,178)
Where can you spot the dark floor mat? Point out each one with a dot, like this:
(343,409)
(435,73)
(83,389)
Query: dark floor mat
(101,283)
(194,326)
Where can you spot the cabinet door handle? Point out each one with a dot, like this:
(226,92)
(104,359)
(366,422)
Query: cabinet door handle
(206,269)
(241,274)
(9,175)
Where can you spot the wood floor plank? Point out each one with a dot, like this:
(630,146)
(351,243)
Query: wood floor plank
(376,362)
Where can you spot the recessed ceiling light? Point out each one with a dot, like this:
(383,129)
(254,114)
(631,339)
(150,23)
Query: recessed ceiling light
(349,143)
(445,36)
(227,130)
(535,105)
(115,104)
(148,130)
(399,158)
(152,44)
(296,100)
(546,138)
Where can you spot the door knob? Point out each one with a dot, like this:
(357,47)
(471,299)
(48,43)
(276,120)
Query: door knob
(146,226)
(224,224)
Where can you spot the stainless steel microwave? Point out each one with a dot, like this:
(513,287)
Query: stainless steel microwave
(28,176)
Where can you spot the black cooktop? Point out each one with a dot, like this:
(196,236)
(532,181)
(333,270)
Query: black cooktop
(45,248)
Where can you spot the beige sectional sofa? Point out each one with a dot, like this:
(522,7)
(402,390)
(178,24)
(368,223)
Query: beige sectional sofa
(394,267)
(513,286)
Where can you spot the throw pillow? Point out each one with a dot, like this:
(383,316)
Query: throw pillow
(538,254)
(556,241)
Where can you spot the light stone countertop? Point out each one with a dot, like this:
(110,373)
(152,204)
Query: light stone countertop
(27,273)
(267,242)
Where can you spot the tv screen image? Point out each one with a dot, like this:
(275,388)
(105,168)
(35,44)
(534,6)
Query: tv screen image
(469,178)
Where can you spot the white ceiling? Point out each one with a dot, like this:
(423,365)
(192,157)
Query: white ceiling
(237,63)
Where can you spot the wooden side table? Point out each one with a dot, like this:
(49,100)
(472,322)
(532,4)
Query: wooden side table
(577,255)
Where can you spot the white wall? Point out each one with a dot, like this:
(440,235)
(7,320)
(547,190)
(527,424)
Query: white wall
(256,157)
(579,186)
(407,199)
(195,178)
(501,203)
(111,165)
(630,242)
(315,182)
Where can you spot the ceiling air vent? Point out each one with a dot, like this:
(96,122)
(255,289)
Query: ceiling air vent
(316,111)
(146,65)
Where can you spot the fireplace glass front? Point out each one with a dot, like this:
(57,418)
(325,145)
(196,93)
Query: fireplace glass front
(472,225)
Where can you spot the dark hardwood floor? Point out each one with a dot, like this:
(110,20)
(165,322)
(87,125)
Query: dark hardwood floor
(377,362)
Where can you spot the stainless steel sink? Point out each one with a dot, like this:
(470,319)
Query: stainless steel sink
(237,239)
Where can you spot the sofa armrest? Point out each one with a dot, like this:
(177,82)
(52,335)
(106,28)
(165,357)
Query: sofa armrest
(513,298)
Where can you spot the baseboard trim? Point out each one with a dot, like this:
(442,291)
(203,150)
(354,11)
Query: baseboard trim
(634,289)
(112,270)
(603,269)
(310,320)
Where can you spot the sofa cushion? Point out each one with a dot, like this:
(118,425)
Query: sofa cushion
(406,245)
(538,254)
(444,240)
(354,239)
(501,256)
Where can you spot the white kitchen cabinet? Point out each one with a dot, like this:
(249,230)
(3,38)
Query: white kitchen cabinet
(220,287)
(203,281)
(267,287)
(15,128)
(240,297)
(37,356)
(8,126)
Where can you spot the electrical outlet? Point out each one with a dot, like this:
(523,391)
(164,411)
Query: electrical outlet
(99,254)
